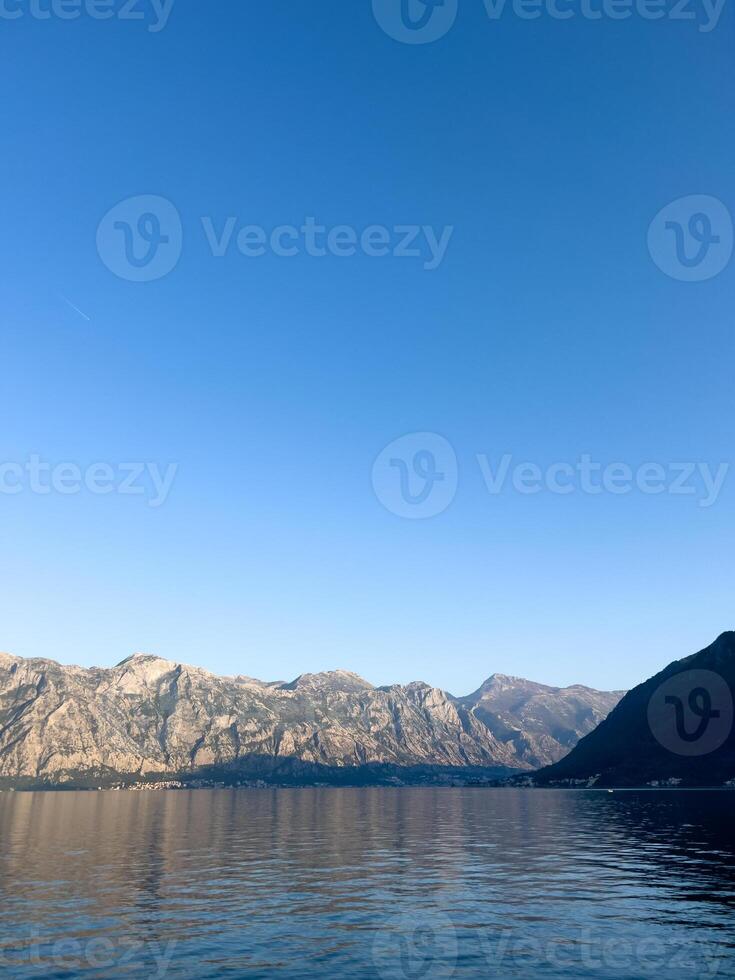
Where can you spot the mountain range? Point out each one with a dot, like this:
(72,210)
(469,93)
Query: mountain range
(150,720)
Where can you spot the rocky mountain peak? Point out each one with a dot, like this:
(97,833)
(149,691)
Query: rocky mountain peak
(145,668)
(329,680)
(141,659)
(502,681)
(499,685)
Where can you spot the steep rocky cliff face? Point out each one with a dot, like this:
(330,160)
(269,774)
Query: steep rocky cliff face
(540,724)
(152,718)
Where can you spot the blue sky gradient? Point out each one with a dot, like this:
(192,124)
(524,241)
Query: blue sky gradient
(273,383)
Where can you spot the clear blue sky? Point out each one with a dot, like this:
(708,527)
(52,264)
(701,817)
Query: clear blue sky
(274,383)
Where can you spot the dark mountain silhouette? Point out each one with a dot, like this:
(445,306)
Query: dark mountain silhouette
(675,729)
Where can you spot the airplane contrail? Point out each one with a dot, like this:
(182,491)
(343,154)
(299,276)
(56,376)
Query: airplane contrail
(75,308)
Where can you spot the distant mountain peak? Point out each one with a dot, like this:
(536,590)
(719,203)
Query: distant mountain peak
(143,669)
(140,657)
(497,683)
(505,679)
(145,660)
(333,680)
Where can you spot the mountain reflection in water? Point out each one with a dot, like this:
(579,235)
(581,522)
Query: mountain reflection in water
(392,883)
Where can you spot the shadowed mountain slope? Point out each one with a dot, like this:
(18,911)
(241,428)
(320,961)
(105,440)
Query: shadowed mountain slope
(675,729)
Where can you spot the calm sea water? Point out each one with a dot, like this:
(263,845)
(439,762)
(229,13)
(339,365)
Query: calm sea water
(390,883)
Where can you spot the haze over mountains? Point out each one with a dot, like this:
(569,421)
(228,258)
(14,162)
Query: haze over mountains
(152,719)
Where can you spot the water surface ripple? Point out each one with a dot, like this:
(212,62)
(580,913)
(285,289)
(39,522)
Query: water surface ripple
(362,883)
